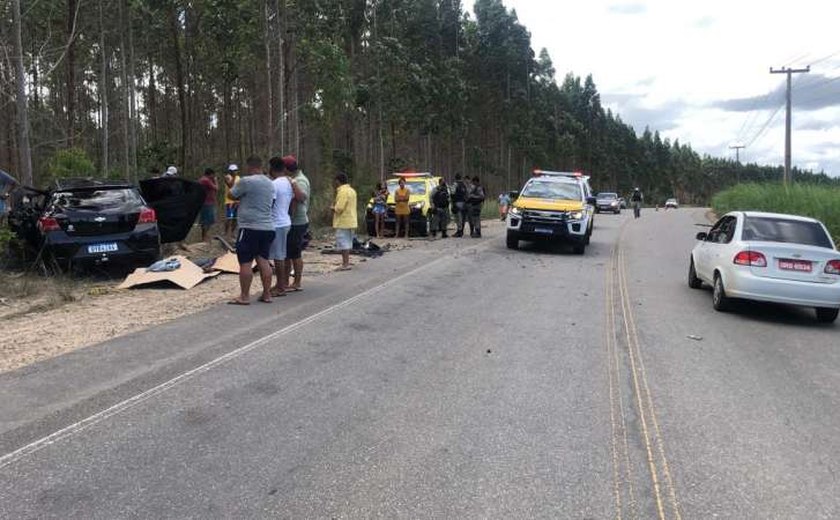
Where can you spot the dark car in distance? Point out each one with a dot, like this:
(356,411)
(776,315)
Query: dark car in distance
(93,222)
(607,201)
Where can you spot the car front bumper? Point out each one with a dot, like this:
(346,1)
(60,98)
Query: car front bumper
(743,284)
(565,231)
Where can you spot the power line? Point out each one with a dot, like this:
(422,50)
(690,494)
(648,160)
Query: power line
(765,126)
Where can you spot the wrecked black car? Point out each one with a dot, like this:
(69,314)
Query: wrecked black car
(89,221)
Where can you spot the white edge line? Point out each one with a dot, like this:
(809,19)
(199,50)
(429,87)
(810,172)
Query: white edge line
(76,427)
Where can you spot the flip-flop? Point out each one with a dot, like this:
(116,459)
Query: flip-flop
(238,302)
(278,294)
(263,300)
(294,289)
(345,268)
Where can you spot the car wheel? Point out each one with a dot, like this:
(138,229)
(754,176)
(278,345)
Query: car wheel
(693,281)
(512,241)
(825,315)
(720,300)
(579,249)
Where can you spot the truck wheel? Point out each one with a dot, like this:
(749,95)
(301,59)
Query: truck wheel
(579,249)
(512,241)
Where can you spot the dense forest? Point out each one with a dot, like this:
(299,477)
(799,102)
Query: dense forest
(118,87)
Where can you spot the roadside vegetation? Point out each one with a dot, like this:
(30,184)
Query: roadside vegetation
(817,201)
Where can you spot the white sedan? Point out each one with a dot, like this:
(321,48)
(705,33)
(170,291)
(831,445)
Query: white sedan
(769,257)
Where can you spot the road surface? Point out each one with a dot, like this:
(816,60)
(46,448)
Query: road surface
(459,380)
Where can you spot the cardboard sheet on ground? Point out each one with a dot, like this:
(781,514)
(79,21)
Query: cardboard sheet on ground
(229,263)
(186,277)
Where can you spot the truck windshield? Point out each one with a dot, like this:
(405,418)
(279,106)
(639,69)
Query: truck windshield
(415,187)
(552,190)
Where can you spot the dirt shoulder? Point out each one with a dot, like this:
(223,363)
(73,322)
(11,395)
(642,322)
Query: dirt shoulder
(46,317)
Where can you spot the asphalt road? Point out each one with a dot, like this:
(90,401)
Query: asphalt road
(458,380)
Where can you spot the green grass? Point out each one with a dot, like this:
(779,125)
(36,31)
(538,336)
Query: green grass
(819,202)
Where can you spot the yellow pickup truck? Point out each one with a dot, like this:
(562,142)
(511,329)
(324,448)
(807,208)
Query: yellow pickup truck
(552,206)
(420,185)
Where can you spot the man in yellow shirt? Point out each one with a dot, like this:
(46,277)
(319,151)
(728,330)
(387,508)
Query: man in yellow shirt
(401,209)
(231,204)
(345,219)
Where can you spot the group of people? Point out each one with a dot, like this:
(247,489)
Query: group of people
(269,212)
(463,202)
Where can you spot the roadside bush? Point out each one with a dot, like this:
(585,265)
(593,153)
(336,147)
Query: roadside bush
(820,202)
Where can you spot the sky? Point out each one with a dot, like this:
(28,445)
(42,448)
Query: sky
(699,71)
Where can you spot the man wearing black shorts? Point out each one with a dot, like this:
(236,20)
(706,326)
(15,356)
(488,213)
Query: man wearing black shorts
(300,223)
(255,193)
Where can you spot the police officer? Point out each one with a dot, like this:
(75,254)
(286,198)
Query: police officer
(440,209)
(475,198)
(459,205)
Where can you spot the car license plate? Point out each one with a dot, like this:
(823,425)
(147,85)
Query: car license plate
(803,266)
(109,247)
(543,231)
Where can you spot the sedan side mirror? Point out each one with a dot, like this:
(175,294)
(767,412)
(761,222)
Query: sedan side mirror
(701,236)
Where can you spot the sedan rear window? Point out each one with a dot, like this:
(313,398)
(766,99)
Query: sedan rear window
(98,199)
(764,229)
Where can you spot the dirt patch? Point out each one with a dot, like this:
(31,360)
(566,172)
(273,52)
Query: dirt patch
(45,317)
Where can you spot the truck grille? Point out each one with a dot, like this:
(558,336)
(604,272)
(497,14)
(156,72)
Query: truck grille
(549,217)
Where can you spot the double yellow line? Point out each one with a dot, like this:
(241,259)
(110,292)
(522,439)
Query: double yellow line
(641,399)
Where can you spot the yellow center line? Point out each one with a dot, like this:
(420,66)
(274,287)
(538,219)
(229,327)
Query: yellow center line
(652,409)
(617,364)
(609,335)
(635,377)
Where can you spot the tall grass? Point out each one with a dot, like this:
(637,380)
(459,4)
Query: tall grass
(819,202)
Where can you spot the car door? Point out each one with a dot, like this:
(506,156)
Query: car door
(718,244)
(711,249)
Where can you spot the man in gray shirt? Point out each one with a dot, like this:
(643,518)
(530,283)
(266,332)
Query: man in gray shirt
(255,193)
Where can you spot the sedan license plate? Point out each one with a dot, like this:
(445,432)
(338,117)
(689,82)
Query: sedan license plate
(803,266)
(543,231)
(109,247)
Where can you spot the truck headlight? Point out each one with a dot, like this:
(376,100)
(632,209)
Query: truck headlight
(419,205)
(576,215)
(515,211)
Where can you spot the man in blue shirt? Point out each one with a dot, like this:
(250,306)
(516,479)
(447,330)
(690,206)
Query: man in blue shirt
(7,184)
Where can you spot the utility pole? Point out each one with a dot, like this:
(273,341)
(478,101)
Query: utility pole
(737,148)
(789,72)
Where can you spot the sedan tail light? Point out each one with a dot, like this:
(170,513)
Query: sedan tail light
(751,258)
(46,224)
(832,267)
(147,216)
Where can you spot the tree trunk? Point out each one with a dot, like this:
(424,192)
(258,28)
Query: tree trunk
(152,99)
(280,7)
(269,101)
(125,106)
(132,93)
(72,6)
(103,93)
(22,110)
(179,80)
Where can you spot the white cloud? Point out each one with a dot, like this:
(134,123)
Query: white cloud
(680,60)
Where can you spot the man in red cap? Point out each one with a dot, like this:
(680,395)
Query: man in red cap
(300,224)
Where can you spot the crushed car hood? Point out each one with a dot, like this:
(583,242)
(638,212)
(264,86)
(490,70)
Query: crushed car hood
(176,202)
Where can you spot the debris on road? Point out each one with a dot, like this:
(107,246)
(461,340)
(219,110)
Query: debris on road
(186,275)
(695,338)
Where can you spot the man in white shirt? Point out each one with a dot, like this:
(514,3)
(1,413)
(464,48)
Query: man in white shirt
(284,194)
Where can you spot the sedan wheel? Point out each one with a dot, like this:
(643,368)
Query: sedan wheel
(693,281)
(720,300)
(825,315)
